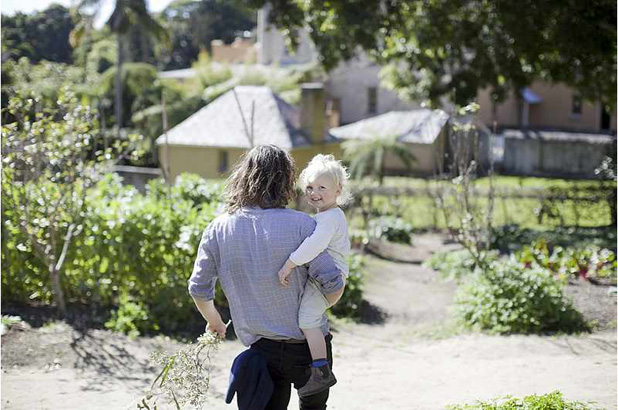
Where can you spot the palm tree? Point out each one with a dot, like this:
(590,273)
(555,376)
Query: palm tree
(126,13)
(366,156)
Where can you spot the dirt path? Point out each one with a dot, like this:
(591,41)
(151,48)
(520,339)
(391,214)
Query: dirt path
(406,362)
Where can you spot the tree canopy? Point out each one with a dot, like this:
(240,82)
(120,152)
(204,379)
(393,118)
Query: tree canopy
(194,24)
(38,36)
(454,48)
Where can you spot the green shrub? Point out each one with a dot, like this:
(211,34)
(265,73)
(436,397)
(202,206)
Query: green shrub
(392,229)
(352,298)
(509,238)
(213,75)
(551,401)
(130,316)
(132,247)
(508,298)
(456,265)
(187,187)
(589,263)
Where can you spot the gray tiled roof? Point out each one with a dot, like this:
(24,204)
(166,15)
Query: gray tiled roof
(415,126)
(556,135)
(219,124)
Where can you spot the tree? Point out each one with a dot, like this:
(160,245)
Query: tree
(194,24)
(46,80)
(49,161)
(454,48)
(42,35)
(367,156)
(126,14)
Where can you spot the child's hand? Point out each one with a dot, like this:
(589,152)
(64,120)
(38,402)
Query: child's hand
(285,271)
(283,275)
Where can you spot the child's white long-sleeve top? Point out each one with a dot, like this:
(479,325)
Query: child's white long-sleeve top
(331,233)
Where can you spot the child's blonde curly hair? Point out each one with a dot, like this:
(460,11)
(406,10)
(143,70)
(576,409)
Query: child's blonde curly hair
(327,165)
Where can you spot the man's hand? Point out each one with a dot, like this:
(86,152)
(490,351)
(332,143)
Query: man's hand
(217,327)
(285,271)
(214,323)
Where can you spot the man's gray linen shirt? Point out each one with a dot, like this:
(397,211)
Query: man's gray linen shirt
(245,251)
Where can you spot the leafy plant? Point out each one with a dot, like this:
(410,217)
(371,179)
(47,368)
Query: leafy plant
(392,229)
(456,265)
(509,238)
(130,316)
(508,298)
(352,298)
(210,74)
(588,263)
(367,156)
(50,161)
(551,401)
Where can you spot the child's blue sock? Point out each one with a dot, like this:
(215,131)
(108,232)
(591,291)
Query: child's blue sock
(319,363)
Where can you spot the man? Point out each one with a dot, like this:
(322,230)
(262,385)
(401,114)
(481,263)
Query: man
(244,249)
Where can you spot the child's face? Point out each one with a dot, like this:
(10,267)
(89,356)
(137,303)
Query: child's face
(322,193)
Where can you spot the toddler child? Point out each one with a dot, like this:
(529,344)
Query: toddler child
(324,183)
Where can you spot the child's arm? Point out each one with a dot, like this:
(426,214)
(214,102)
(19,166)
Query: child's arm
(311,247)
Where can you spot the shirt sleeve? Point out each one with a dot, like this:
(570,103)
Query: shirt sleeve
(316,242)
(204,277)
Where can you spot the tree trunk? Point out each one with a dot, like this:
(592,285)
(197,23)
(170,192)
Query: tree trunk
(54,275)
(612,205)
(118,85)
(381,171)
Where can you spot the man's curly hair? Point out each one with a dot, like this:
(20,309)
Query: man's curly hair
(264,178)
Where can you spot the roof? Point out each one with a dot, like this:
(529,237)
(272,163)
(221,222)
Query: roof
(416,126)
(219,124)
(557,135)
(178,74)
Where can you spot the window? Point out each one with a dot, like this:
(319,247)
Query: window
(372,100)
(223,161)
(576,108)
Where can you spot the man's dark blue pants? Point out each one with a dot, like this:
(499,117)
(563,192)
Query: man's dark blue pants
(289,363)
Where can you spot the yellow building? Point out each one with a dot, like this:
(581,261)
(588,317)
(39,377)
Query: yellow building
(212,140)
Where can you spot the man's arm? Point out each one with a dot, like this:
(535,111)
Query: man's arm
(212,316)
(202,285)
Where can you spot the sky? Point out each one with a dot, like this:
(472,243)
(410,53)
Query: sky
(28,6)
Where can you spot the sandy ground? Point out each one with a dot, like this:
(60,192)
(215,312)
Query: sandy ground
(406,359)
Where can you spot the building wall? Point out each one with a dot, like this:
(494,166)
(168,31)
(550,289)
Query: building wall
(272,48)
(507,112)
(204,161)
(350,83)
(302,156)
(554,111)
(240,51)
(427,156)
(552,158)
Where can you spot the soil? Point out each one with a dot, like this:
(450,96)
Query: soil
(406,355)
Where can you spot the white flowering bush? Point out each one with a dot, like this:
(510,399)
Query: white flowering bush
(184,377)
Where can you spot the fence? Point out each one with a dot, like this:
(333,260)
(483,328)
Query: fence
(527,207)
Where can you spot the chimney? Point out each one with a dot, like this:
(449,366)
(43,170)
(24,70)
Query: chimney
(313,112)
